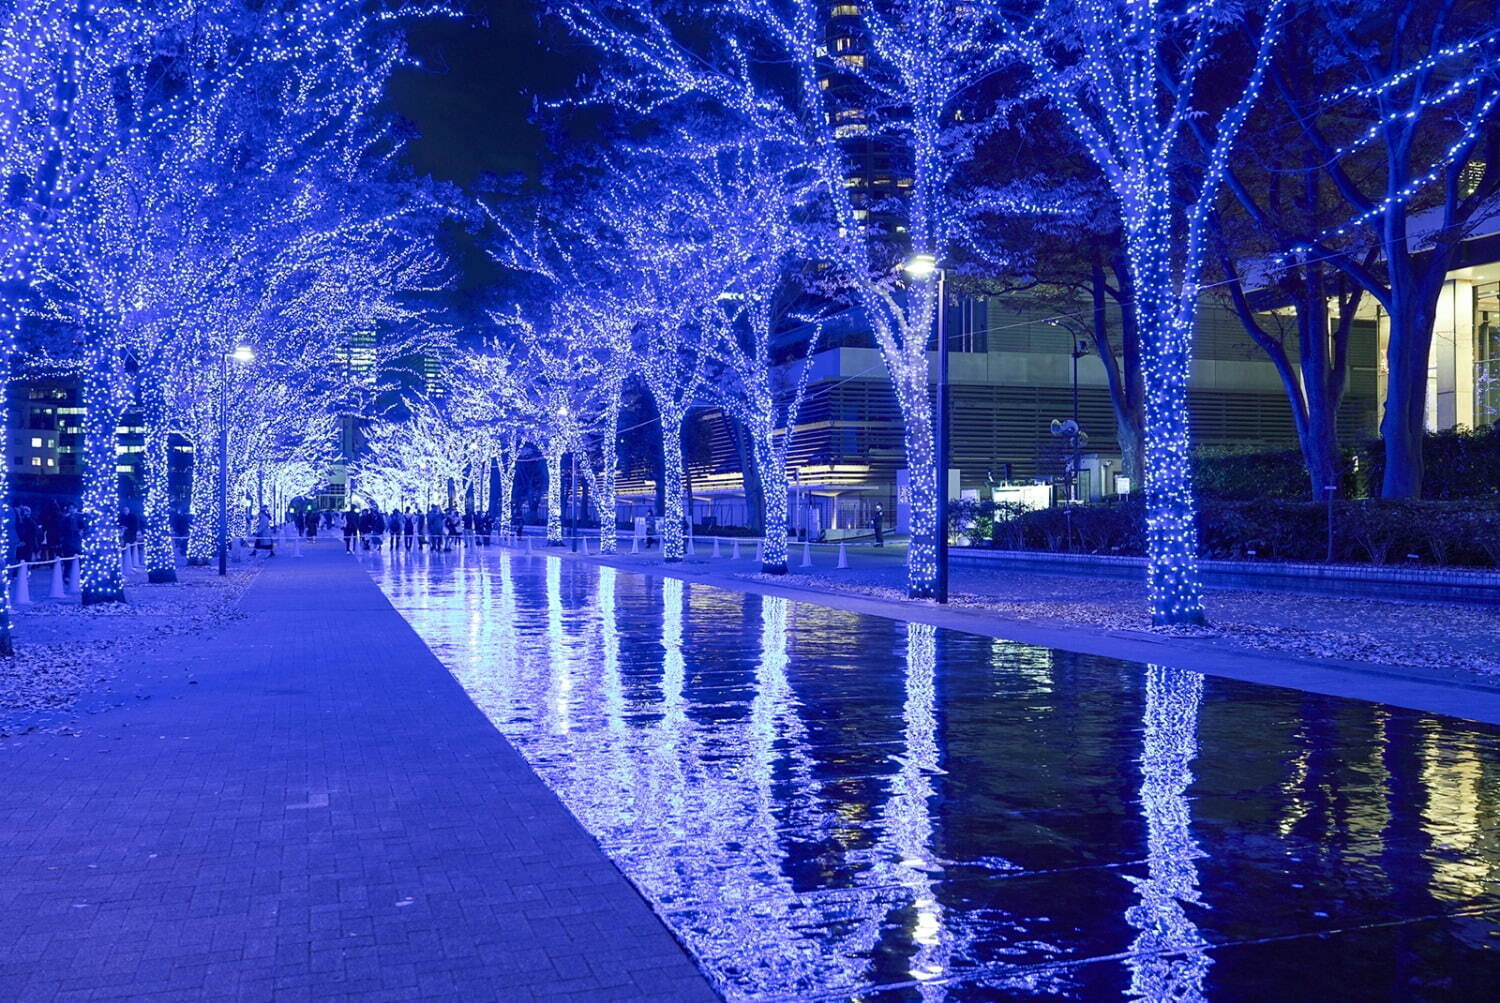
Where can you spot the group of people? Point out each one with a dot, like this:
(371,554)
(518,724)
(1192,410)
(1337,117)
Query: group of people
(370,528)
(57,531)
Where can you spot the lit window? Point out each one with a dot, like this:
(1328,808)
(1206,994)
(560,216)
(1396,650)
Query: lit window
(51,462)
(36,461)
(36,442)
(846,10)
(852,59)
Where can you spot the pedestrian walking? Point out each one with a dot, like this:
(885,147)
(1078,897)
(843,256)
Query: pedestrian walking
(351,528)
(263,538)
(877,523)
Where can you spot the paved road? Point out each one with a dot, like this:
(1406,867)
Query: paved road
(320,813)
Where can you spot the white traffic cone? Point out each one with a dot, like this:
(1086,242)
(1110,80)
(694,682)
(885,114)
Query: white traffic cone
(691,550)
(635,544)
(75,587)
(23,585)
(843,556)
(806,553)
(59,587)
(734,550)
(716,548)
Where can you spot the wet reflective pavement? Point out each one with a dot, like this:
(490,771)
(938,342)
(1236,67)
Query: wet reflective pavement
(822,804)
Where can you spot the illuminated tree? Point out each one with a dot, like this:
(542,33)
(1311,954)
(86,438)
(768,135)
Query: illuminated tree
(1405,128)
(591,291)
(753,194)
(423,460)
(38,64)
(904,79)
(683,267)
(1130,79)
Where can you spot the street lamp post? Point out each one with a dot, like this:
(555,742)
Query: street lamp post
(923,267)
(242,354)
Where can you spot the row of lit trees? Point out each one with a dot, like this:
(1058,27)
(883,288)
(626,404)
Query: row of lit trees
(735,200)
(1155,96)
(199,226)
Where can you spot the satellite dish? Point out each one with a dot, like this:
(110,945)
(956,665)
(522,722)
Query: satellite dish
(1065,429)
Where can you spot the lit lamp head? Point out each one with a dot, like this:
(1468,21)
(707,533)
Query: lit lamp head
(243,353)
(921,267)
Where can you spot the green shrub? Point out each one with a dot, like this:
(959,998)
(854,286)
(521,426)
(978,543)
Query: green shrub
(1459,463)
(1365,531)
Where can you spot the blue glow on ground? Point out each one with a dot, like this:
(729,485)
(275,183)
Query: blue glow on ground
(823,804)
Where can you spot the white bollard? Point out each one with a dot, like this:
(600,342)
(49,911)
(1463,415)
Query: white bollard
(140,556)
(297,545)
(583,545)
(806,553)
(59,588)
(734,550)
(691,551)
(759,553)
(716,548)
(843,556)
(635,544)
(23,585)
(75,587)
(528,546)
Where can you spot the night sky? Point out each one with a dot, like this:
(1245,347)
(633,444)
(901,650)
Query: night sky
(471,100)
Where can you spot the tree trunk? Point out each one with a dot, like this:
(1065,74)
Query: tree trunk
(1404,423)
(102,573)
(554,494)
(755,493)
(7,644)
(1123,381)
(922,484)
(673,484)
(156,522)
(201,505)
(1165,335)
(609,461)
(770,466)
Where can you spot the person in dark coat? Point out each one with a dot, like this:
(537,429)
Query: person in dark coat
(130,525)
(408,527)
(435,528)
(877,523)
(351,528)
(393,526)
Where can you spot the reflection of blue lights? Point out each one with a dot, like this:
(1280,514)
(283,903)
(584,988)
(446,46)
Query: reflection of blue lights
(817,804)
(1167,957)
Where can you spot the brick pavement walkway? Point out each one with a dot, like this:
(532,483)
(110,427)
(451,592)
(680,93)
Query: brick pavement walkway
(321,813)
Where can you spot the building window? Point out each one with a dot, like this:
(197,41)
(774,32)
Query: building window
(36,442)
(36,461)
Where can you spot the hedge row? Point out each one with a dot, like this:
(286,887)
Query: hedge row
(1461,463)
(1365,532)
